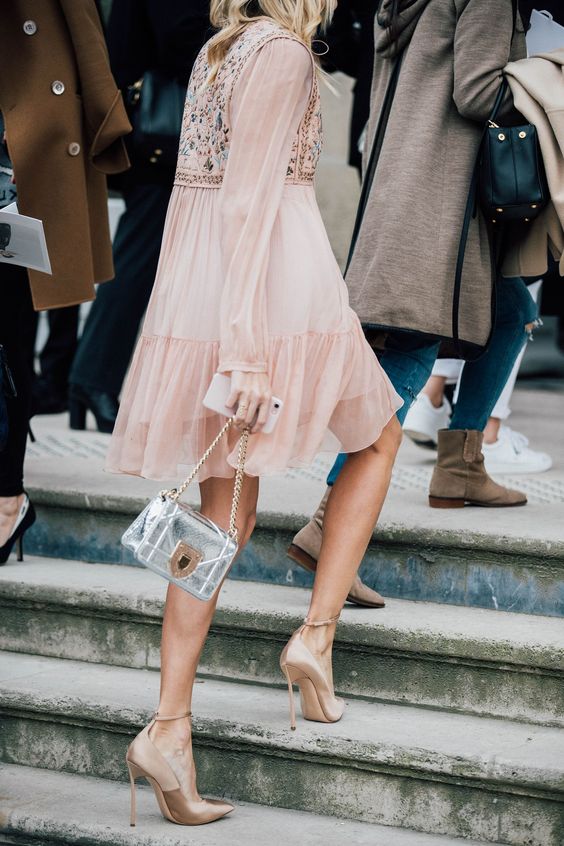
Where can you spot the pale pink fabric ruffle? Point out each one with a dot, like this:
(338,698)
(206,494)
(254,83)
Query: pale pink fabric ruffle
(247,279)
(335,397)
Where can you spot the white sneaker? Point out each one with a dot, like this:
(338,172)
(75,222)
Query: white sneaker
(511,454)
(423,421)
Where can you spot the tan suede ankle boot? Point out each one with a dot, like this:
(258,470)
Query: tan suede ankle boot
(305,550)
(460,477)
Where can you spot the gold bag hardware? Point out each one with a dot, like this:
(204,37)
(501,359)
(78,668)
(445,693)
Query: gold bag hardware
(184,560)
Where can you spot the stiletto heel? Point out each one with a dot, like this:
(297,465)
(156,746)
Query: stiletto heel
(77,411)
(19,547)
(292,703)
(300,667)
(144,760)
(133,804)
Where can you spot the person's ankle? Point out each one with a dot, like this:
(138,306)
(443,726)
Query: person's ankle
(172,731)
(319,639)
(434,390)
(491,432)
(10,505)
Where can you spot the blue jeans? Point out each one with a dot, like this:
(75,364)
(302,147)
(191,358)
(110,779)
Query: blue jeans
(409,362)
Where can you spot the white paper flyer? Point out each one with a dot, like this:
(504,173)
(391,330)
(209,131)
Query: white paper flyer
(22,240)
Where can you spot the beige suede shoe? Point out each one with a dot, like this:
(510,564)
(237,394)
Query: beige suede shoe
(460,477)
(305,549)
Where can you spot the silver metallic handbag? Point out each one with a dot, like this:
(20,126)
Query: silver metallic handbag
(180,544)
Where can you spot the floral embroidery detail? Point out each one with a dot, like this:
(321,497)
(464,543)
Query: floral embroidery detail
(205,136)
(308,144)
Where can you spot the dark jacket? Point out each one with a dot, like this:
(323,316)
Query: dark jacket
(164,35)
(157,34)
(351,50)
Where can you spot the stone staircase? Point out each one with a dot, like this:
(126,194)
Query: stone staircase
(83,810)
(462,660)
(454,562)
(453,728)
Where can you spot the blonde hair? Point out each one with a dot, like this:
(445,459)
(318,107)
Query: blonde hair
(231,17)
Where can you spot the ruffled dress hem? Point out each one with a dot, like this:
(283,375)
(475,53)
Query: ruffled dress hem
(163,428)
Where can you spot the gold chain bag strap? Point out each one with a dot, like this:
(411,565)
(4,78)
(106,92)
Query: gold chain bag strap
(182,545)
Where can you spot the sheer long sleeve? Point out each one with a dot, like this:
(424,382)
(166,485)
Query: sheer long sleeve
(266,110)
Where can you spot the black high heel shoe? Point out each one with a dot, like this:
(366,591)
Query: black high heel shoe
(25,521)
(103,406)
(47,398)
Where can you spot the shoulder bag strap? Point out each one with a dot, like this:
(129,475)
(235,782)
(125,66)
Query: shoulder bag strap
(176,493)
(515,4)
(470,212)
(472,202)
(374,156)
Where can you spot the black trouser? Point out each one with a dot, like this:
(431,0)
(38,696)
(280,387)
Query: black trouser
(16,319)
(111,329)
(58,353)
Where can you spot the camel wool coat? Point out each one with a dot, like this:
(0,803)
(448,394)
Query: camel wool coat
(403,268)
(64,120)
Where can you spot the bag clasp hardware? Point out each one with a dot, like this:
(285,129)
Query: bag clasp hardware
(184,560)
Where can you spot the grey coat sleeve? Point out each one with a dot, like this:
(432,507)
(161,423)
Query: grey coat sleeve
(482,47)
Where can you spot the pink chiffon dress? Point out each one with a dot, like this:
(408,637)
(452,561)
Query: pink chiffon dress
(247,281)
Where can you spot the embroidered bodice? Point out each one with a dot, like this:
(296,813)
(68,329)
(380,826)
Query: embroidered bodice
(206,127)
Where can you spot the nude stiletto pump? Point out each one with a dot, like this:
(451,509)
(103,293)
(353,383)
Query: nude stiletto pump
(145,761)
(300,667)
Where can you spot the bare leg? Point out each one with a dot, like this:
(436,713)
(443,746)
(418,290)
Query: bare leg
(185,627)
(353,510)
(435,390)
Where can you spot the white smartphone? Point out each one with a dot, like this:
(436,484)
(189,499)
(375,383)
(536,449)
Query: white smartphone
(218,394)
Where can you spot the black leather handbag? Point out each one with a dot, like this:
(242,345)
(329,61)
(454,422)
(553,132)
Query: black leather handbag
(512,182)
(155,106)
(508,184)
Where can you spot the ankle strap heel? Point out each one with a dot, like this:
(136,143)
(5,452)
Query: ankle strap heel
(179,804)
(316,623)
(158,719)
(301,667)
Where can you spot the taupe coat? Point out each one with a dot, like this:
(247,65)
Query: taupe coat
(64,121)
(403,269)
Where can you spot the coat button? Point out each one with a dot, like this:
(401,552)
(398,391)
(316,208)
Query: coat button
(73,149)
(30,27)
(58,87)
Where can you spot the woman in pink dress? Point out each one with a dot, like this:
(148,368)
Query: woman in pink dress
(248,286)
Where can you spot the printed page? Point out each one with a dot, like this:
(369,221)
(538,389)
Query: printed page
(22,240)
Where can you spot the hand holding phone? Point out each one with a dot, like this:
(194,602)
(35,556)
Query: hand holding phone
(222,397)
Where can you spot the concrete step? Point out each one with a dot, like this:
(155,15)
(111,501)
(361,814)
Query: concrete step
(431,558)
(39,807)
(464,659)
(426,770)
